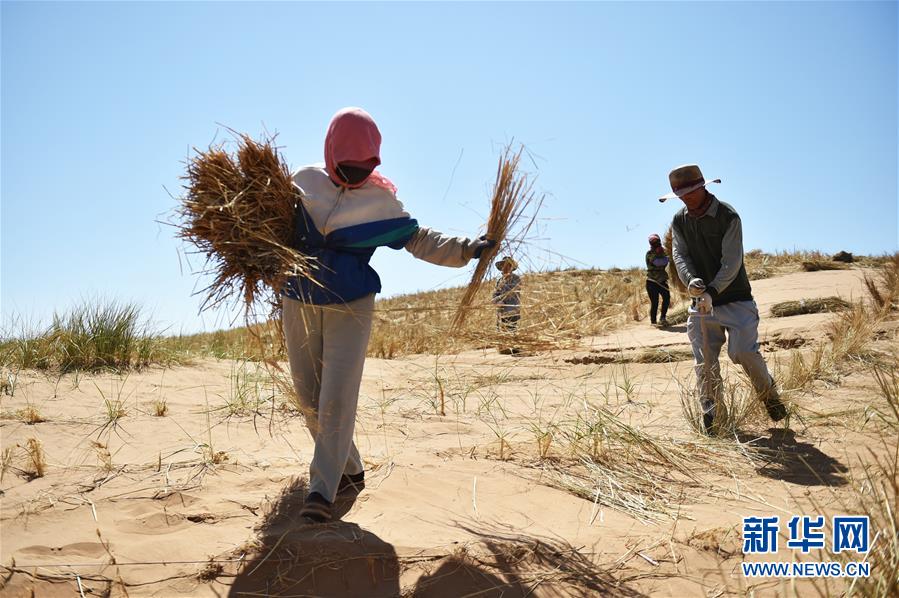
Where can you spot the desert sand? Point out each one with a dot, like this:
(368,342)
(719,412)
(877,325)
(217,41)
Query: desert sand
(201,502)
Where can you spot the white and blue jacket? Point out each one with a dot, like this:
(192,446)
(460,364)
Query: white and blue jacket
(341,228)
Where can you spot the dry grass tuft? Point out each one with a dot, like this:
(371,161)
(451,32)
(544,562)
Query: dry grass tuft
(159,408)
(6,458)
(30,415)
(37,463)
(887,379)
(884,289)
(238,212)
(513,195)
(809,306)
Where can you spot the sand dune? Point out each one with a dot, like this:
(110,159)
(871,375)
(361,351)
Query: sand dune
(202,502)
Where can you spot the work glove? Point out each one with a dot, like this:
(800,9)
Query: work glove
(704,303)
(481,245)
(696,287)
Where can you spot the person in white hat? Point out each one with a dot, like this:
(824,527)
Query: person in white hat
(507,297)
(708,254)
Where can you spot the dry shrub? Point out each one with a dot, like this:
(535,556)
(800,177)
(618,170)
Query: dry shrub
(238,212)
(818,265)
(513,195)
(809,306)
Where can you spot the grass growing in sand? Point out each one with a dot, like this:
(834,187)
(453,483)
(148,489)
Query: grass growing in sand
(736,407)
(94,335)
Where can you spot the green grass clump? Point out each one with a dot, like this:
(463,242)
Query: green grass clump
(91,336)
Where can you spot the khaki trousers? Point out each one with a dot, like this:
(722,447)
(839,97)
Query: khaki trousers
(740,321)
(326,346)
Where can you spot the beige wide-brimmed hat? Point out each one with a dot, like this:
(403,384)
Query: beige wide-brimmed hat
(685,179)
(508,258)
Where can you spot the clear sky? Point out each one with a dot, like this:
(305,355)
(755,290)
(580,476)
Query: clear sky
(793,105)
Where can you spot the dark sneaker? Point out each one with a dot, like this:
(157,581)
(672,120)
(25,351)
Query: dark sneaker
(776,409)
(663,323)
(708,423)
(351,483)
(773,405)
(316,509)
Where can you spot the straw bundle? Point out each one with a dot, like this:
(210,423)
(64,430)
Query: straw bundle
(238,210)
(512,195)
(809,306)
(673,276)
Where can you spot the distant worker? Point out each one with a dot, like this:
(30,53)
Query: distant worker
(507,298)
(657,280)
(708,254)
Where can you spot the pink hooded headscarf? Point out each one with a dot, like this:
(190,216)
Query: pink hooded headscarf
(354,139)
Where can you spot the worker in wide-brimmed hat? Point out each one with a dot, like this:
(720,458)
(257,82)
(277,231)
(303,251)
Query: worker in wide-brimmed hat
(507,296)
(708,254)
(657,280)
(346,210)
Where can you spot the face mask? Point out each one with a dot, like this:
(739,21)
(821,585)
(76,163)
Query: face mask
(352,175)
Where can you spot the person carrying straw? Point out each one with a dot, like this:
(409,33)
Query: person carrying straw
(347,210)
(708,254)
(657,280)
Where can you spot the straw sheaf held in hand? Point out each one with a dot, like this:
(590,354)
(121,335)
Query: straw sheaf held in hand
(238,210)
(508,221)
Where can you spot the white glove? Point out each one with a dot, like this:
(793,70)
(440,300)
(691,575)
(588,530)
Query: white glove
(696,287)
(704,303)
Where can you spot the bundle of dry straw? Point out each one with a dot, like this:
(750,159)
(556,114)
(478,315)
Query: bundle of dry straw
(238,210)
(513,194)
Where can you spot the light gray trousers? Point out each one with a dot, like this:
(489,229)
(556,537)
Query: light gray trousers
(326,347)
(740,321)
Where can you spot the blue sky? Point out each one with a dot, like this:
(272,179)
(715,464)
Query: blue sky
(793,105)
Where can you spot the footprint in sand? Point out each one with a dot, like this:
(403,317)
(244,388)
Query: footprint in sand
(161,522)
(86,549)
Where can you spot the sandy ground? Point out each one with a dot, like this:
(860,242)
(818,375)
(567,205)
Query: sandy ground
(203,502)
